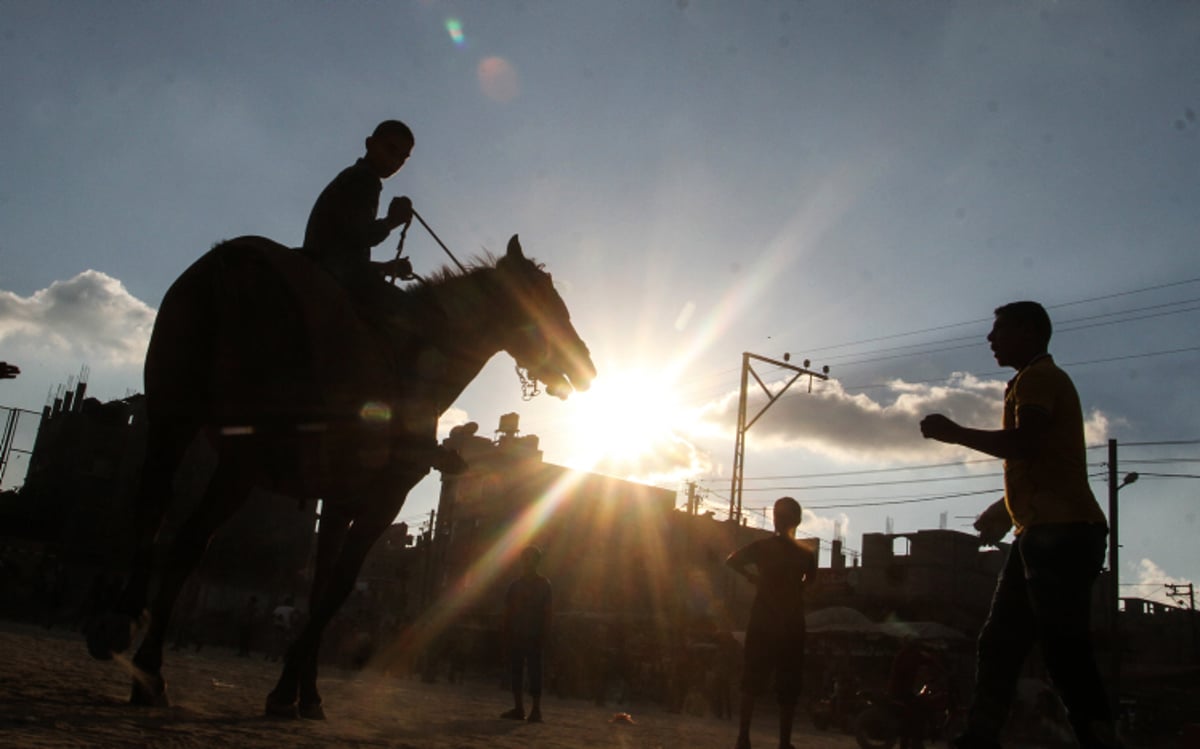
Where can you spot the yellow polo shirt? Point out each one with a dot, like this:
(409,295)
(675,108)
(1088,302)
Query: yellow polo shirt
(1052,486)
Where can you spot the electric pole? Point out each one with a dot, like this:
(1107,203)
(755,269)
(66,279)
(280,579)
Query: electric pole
(739,447)
(1114,566)
(1176,590)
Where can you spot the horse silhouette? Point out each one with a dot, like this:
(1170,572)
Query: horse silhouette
(264,356)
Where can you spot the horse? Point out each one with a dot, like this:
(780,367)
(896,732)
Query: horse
(263,355)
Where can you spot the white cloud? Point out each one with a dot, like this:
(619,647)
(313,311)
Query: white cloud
(451,418)
(1150,582)
(881,427)
(862,428)
(89,317)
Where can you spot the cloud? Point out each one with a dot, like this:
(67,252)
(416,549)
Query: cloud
(881,427)
(1151,582)
(91,317)
(861,428)
(452,417)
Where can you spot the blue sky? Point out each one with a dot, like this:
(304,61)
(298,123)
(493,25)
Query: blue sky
(859,183)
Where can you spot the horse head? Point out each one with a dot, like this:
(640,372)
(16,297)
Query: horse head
(542,339)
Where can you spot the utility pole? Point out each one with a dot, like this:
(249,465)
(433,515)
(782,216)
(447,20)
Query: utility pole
(1176,590)
(692,501)
(1114,577)
(1114,566)
(739,447)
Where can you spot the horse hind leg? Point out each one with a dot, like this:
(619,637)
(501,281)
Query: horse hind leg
(226,492)
(112,632)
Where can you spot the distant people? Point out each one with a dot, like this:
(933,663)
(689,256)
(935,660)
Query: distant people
(343,225)
(527,617)
(1044,591)
(775,634)
(724,664)
(8,371)
(248,626)
(283,618)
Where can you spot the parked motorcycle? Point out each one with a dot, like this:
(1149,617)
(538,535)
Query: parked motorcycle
(882,724)
(834,711)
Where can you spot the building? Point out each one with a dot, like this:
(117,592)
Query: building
(611,547)
(78,503)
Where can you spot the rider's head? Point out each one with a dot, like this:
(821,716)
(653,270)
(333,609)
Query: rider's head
(389,147)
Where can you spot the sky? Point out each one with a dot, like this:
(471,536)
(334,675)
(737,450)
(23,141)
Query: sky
(858,184)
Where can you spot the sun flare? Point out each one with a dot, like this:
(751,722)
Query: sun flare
(623,419)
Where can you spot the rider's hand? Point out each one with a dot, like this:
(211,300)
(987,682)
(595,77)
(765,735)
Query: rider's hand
(400,211)
(398,267)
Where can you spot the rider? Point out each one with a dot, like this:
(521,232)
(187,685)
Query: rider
(342,228)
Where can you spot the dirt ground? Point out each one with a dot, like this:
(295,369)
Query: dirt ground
(52,694)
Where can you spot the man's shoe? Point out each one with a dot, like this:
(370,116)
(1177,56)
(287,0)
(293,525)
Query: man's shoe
(535,715)
(515,714)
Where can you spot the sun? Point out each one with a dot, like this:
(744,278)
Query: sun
(623,419)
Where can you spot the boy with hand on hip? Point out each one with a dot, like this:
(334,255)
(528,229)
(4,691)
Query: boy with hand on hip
(775,635)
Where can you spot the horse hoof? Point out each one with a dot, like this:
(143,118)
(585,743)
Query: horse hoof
(149,691)
(312,712)
(280,709)
(110,633)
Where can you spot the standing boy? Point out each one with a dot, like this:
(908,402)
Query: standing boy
(1045,589)
(526,627)
(775,634)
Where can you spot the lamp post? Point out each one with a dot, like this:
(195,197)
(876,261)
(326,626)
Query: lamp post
(1114,557)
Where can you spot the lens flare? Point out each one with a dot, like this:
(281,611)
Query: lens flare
(498,79)
(454,27)
(374,412)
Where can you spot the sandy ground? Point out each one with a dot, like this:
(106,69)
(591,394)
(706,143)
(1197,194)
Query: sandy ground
(52,694)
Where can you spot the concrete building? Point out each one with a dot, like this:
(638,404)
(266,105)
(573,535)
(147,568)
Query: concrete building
(78,502)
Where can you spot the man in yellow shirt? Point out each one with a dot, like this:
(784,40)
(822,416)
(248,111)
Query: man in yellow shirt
(1044,592)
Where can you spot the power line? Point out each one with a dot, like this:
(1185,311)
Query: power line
(814,487)
(1142,474)
(949,326)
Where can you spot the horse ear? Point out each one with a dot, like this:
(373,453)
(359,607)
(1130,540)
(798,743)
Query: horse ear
(514,248)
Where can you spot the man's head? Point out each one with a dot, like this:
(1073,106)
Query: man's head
(1020,332)
(389,147)
(787,515)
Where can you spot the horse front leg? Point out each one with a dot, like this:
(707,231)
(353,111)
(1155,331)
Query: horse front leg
(283,699)
(226,492)
(343,564)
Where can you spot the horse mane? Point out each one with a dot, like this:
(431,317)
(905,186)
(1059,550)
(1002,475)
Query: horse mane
(446,273)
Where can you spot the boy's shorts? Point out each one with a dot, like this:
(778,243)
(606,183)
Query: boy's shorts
(781,654)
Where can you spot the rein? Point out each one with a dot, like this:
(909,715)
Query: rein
(530,388)
(400,249)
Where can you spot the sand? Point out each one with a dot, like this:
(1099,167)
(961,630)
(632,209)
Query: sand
(52,694)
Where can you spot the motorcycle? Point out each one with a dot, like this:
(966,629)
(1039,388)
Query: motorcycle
(887,721)
(835,711)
